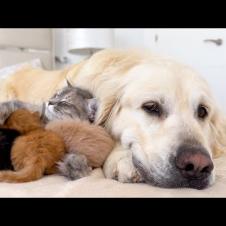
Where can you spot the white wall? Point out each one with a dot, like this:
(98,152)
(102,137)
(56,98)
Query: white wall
(61,50)
(188,46)
(185,45)
(123,38)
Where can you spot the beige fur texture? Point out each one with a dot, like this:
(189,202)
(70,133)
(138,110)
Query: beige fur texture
(31,80)
(92,141)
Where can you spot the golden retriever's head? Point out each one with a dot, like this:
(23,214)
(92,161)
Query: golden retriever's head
(166,116)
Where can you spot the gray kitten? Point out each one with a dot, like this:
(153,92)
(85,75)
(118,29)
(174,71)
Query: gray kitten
(69,102)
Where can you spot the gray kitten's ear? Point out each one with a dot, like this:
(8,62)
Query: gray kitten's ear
(69,84)
(92,104)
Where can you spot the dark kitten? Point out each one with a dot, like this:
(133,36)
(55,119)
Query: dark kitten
(7,137)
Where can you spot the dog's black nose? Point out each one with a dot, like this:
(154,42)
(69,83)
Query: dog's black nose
(194,162)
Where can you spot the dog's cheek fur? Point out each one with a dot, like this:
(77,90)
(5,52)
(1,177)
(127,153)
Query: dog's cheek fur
(130,127)
(218,128)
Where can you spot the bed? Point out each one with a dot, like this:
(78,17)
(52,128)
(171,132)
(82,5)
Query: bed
(96,185)
(36,47)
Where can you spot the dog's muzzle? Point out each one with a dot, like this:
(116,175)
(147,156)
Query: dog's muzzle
(191,167)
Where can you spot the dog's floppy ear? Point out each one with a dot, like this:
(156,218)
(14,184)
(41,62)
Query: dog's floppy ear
(104,111)
(107,110)
(109,102)
(218,126)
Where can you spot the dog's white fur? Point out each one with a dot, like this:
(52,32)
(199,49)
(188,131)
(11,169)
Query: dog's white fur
(123,80)
(124,84)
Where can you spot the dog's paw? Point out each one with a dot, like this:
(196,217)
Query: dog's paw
(125,172)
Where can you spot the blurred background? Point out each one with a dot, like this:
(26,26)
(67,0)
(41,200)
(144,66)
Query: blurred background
(203,49)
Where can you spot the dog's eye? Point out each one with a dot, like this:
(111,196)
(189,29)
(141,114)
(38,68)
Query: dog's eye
(152,108)
(202,111)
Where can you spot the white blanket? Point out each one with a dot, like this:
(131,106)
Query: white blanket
(97,186)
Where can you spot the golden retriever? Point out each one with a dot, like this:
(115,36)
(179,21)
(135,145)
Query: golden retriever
(161,112)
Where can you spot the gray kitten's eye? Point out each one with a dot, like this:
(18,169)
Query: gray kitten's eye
(54,96)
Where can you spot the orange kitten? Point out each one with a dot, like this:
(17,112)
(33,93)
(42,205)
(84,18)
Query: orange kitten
(81,138)
(35,152)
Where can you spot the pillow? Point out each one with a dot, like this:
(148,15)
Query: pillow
(7,71)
